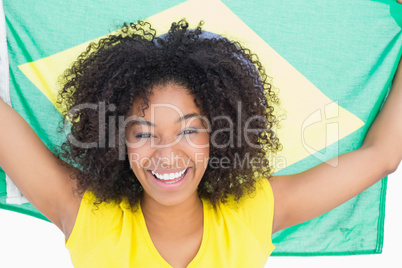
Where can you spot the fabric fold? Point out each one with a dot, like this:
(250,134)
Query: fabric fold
(14,196)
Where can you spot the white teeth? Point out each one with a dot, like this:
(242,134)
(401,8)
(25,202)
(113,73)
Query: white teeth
(169,176)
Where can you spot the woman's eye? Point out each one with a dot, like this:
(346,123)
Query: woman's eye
(189,131)
(149,135)
(143,135)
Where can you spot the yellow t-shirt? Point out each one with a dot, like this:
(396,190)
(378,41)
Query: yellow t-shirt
(234,235)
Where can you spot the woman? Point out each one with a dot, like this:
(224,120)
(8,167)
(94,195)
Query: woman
(175,195)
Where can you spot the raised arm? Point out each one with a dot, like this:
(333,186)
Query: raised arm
(36,171)
(304,196)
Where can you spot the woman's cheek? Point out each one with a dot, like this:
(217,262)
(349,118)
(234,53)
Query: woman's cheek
(139,155)
(197,141)
(197,147)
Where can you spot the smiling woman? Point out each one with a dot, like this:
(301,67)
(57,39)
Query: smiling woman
(180,100)
(170,165)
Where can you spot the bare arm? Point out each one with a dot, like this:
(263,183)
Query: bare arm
(36,171)
(304,196)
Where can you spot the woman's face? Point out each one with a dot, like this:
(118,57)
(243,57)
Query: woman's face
(168,145)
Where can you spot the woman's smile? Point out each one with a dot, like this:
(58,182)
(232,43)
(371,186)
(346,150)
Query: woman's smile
(169,176)
(170,181)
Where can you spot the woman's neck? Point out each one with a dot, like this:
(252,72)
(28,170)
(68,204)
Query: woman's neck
(182,219)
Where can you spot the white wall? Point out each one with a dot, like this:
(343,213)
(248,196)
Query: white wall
(29,242)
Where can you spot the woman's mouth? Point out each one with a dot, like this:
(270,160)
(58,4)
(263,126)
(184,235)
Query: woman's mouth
(170,177)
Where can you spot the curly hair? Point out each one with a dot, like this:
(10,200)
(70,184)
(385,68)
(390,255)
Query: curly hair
(126,65)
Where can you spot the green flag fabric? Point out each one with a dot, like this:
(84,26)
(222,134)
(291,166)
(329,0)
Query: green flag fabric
(332,63)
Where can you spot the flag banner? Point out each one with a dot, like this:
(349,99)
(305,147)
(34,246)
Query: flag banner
(331,62)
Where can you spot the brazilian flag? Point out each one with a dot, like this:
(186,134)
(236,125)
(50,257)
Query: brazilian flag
(331,62)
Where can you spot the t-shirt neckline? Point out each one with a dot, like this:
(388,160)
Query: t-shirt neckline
(156,254)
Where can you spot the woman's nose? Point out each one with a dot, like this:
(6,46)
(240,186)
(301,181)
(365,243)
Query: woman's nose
(168,150)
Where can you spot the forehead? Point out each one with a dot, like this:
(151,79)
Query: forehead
(168,100)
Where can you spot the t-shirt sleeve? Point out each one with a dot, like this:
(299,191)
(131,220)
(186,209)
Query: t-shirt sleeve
(257,210)
(92,224)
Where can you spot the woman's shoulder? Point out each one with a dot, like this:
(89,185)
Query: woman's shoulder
(260,194)
(101,207)
(255,211)
(96,219)
(257,202)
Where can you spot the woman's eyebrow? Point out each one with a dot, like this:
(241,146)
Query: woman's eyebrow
(141,122)
(147,123)
(184,117)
